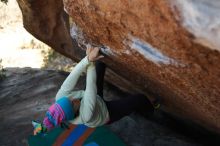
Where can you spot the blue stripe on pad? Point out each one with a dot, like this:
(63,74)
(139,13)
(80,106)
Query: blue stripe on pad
(92,144)
(75,135)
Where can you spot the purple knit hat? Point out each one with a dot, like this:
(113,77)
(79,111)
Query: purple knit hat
(60,111)
(54,116)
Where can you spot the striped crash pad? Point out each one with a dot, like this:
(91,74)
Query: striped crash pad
(76,135)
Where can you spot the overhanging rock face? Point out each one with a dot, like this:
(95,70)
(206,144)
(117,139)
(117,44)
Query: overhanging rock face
(169,49)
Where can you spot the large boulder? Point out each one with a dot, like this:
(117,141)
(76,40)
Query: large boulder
(166,49)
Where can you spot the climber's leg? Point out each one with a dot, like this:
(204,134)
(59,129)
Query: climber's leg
(100,71)
(123,107)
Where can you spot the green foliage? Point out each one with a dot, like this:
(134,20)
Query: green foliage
(2,71)
(4,1)
(54,60)
(48,56)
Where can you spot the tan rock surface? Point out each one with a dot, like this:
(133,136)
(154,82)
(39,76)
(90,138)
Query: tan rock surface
(152,50)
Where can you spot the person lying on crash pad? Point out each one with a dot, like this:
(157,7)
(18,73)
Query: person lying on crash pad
(88,106)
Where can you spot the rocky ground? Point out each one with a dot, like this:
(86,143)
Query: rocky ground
(26,93)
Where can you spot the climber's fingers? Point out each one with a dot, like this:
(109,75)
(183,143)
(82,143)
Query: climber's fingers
(88,50)
(94,55)
(99,57)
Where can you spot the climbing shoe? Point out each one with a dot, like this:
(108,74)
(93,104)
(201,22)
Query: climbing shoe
(156,103)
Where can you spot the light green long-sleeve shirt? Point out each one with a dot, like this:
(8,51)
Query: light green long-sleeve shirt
(93,111)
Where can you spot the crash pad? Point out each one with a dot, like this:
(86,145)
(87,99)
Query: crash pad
(76,135)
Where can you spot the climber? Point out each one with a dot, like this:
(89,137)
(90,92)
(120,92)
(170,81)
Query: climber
(89,107)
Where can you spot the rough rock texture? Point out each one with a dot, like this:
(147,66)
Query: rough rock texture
(25,95)
(150,48)
(146,44)
(47,21)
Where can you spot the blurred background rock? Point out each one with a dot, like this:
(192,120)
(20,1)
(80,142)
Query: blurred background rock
(19,48)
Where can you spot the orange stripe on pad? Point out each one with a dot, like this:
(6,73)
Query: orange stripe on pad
(85,135)
(64,135)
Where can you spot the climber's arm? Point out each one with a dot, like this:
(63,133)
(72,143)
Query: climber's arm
(70,82)
(88,102)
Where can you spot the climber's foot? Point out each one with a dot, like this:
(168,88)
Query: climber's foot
(156,103)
